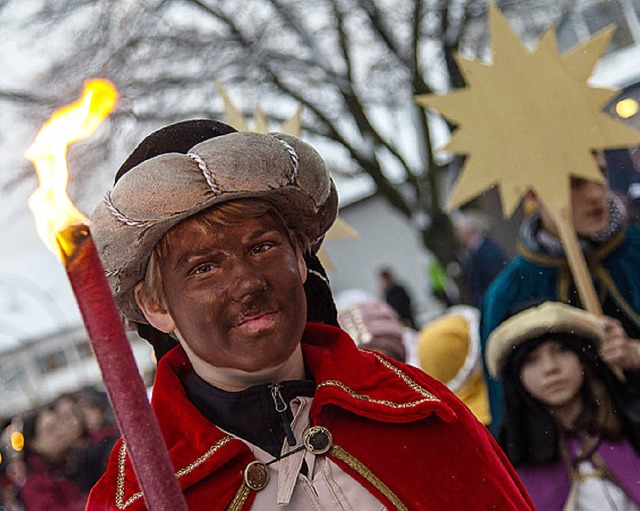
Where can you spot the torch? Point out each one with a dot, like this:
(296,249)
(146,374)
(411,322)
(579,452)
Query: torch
(66,232)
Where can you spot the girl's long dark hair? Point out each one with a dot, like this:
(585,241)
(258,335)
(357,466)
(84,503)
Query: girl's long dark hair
(529,434)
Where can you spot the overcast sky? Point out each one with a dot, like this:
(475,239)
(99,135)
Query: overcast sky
(35,296)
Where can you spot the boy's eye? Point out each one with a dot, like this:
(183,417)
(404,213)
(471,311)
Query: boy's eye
(577,182)
(263,247)
(203,268)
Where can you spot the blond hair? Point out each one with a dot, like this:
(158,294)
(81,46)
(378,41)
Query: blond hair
(224,214)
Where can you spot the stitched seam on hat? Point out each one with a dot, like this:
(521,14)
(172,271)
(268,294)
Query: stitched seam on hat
(121,217)
(294,159)
(211,181)
(355,326)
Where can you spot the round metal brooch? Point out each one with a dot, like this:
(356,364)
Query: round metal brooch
(256,475)
(317,440)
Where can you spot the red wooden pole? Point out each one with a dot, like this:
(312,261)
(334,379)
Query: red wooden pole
(126,390)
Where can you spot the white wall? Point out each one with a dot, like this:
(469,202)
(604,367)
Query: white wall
(386,239)
(29,387)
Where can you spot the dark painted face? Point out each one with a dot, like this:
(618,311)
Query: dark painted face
(236,295)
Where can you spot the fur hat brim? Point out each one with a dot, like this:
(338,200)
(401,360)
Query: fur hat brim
(543,320)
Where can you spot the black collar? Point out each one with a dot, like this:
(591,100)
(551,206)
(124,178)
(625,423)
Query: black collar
(250,414)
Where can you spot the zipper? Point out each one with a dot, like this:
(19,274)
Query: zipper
(281,407)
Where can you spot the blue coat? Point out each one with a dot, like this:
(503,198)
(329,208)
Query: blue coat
(481,267)
(534,275)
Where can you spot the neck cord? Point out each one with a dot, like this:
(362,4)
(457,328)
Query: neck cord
(297,449)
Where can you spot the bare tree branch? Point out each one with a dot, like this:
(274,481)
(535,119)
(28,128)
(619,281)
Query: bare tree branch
(354,66)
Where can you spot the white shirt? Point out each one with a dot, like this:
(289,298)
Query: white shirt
(326,488)
(592,492)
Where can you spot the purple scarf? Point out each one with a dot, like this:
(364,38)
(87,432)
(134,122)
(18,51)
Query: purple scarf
(549,485)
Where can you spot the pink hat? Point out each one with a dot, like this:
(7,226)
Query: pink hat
(374,325)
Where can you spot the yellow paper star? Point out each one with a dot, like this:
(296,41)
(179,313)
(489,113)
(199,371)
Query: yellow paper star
(529,121)
(292,126)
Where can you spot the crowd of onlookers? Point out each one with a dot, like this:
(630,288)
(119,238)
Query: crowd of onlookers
(62,452)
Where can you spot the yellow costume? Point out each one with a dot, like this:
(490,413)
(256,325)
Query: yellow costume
(449,350)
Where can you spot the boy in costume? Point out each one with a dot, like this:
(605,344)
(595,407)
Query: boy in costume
(208,240)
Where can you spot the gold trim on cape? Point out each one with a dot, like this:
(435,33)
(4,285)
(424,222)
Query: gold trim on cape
(239,498)
(563,285)
(122,457)
(351,461)
(427,396)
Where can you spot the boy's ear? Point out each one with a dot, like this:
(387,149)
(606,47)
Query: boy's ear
(156,314)
(302,265)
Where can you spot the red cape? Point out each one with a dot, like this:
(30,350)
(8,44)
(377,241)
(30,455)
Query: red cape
(400,433)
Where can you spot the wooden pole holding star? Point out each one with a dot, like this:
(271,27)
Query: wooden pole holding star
(529,122)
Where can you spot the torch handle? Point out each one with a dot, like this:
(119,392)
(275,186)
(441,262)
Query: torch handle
(126,390)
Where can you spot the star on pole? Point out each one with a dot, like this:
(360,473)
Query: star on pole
(528,121)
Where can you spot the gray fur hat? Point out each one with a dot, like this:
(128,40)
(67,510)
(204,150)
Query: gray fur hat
(160,192)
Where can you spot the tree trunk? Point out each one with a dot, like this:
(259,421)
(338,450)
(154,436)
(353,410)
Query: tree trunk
(439,239)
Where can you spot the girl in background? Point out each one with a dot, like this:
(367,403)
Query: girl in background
(570,427)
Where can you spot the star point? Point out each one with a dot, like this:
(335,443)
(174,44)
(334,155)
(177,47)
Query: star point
(529,121)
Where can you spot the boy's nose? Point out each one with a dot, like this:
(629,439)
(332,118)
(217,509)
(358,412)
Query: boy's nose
(248,281)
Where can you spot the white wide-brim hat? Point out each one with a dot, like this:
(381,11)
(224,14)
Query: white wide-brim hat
(545,320)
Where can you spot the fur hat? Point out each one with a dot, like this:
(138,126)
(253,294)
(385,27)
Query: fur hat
(549,318)
(155,190)
(374,325)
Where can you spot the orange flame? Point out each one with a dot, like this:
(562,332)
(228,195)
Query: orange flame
(50,203)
